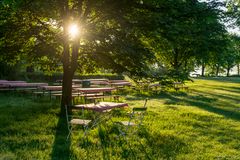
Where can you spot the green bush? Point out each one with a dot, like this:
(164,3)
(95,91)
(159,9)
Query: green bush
(8,72)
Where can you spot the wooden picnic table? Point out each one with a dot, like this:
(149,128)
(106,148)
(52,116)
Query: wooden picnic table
(100,107)
(9,82)
(94,90)
(116,81)
(87,93)
(55,88)
(51,88)
(73,81)
(3,81)
(179,85)
(99,82)
(121,84)
(22,85)
(105,80)
(26,85)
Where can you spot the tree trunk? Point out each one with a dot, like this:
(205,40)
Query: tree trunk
(70,56)
(217,70)
(228,71)
(66,89)
(203,69)
(238,69)
(69,66)
(67,78)
(175,61)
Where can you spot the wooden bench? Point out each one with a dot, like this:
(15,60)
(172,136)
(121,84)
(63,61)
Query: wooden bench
(115,97)
(91,95)
(179,85)
(50,93)
(196,75)
(38,93)
(60,95)
(155,87)
(77,95)
(84,96)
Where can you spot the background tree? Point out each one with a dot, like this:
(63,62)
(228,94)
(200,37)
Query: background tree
(232,55)
(184,31)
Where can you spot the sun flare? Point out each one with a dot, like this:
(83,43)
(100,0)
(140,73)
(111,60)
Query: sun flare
(73,30)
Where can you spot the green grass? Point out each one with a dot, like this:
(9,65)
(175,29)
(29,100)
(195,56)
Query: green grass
(203,123)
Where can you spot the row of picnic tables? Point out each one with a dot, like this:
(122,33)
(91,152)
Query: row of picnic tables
(107,82)
(13,85)
(42,88)
(99,107)
(94,93)
(5,84)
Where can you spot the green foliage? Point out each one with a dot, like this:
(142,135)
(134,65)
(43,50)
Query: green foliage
(108,39)
(233,10)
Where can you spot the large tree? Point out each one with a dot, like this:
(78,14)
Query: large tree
(108,35)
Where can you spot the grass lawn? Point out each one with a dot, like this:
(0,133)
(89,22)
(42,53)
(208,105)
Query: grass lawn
(203,123)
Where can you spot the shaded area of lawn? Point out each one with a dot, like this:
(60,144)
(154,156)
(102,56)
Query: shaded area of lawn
(61,147)
(32,128)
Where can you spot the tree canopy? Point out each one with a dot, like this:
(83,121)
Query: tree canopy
(122,36)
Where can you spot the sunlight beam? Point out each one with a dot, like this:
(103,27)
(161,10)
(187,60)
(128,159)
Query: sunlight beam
(73,31)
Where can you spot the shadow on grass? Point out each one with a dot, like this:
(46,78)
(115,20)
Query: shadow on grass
(27,128)
(206,103)
(146,145)
(227,113)
(162,145)
(225,88)
(231,89)
(138,145)
(61,147)
(220,96)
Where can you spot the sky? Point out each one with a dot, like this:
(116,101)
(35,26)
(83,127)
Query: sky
(234,31)
(231,30)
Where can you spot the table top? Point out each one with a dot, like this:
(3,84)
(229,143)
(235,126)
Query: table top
(8,82)
(116,81)
(101,106)
(51,88)
(73,80)
(3,81)
(27,84)
(121,84)
(80,80)
(92,90)
(55,88)
(100,82)
(96,80)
